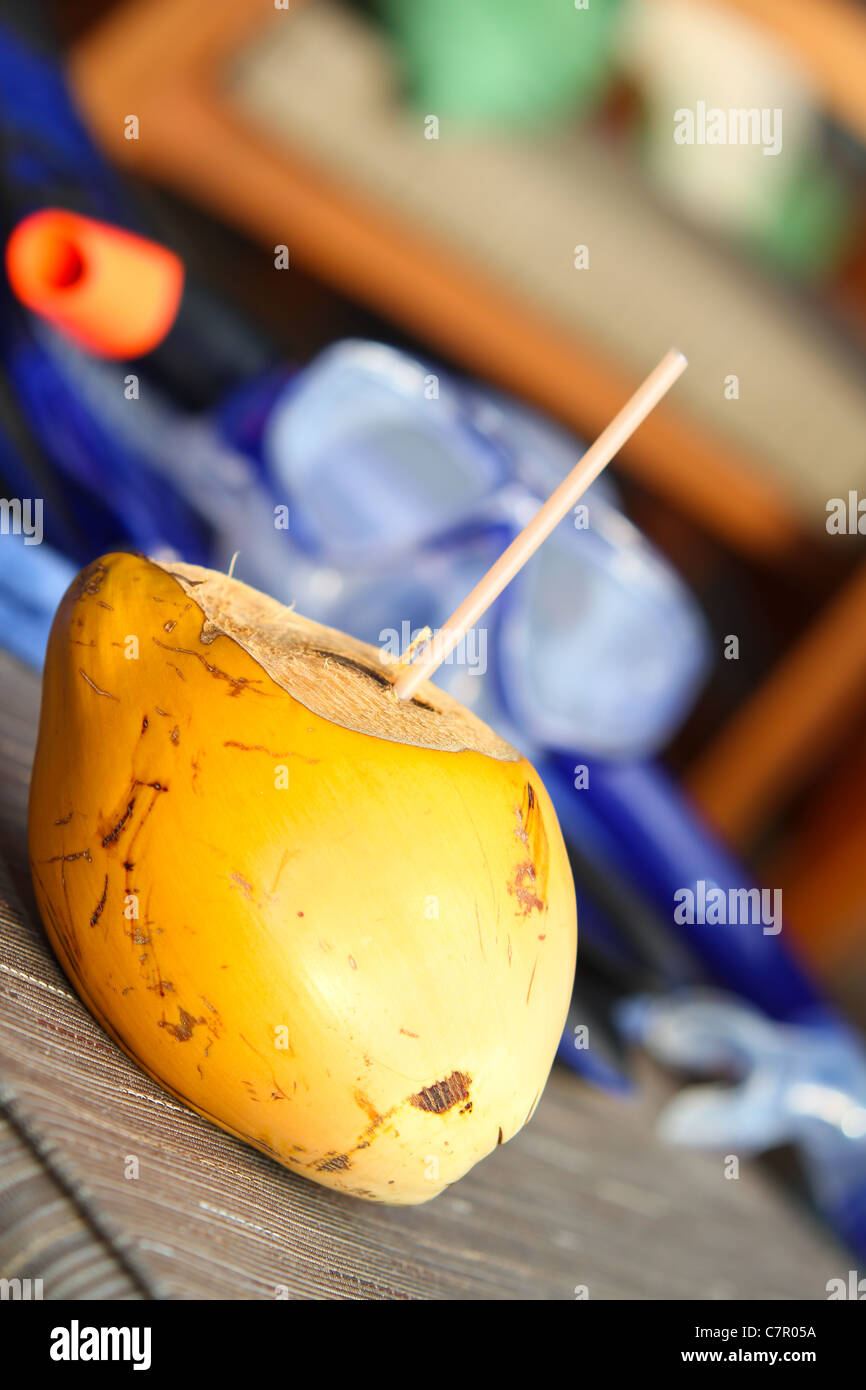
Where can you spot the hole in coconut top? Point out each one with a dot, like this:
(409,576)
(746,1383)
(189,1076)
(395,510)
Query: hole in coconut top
(378,676)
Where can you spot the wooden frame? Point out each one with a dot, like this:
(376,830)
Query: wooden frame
(157,59)
(829,39)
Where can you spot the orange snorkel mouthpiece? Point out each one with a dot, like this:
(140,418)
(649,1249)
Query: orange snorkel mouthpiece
(114,293)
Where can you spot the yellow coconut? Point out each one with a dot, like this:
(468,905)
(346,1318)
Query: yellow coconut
(339,924)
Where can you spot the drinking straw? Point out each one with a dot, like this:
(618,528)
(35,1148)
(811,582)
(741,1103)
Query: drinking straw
(597,457)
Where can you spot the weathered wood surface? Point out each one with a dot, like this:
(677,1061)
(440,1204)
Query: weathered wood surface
(44,1235)
(584,1196)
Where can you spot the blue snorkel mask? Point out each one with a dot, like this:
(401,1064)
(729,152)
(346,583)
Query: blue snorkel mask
(403,487)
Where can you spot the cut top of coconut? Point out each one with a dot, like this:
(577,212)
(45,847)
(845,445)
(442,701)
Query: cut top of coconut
(330,673)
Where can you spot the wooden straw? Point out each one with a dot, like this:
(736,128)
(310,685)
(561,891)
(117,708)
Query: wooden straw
(597,457)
